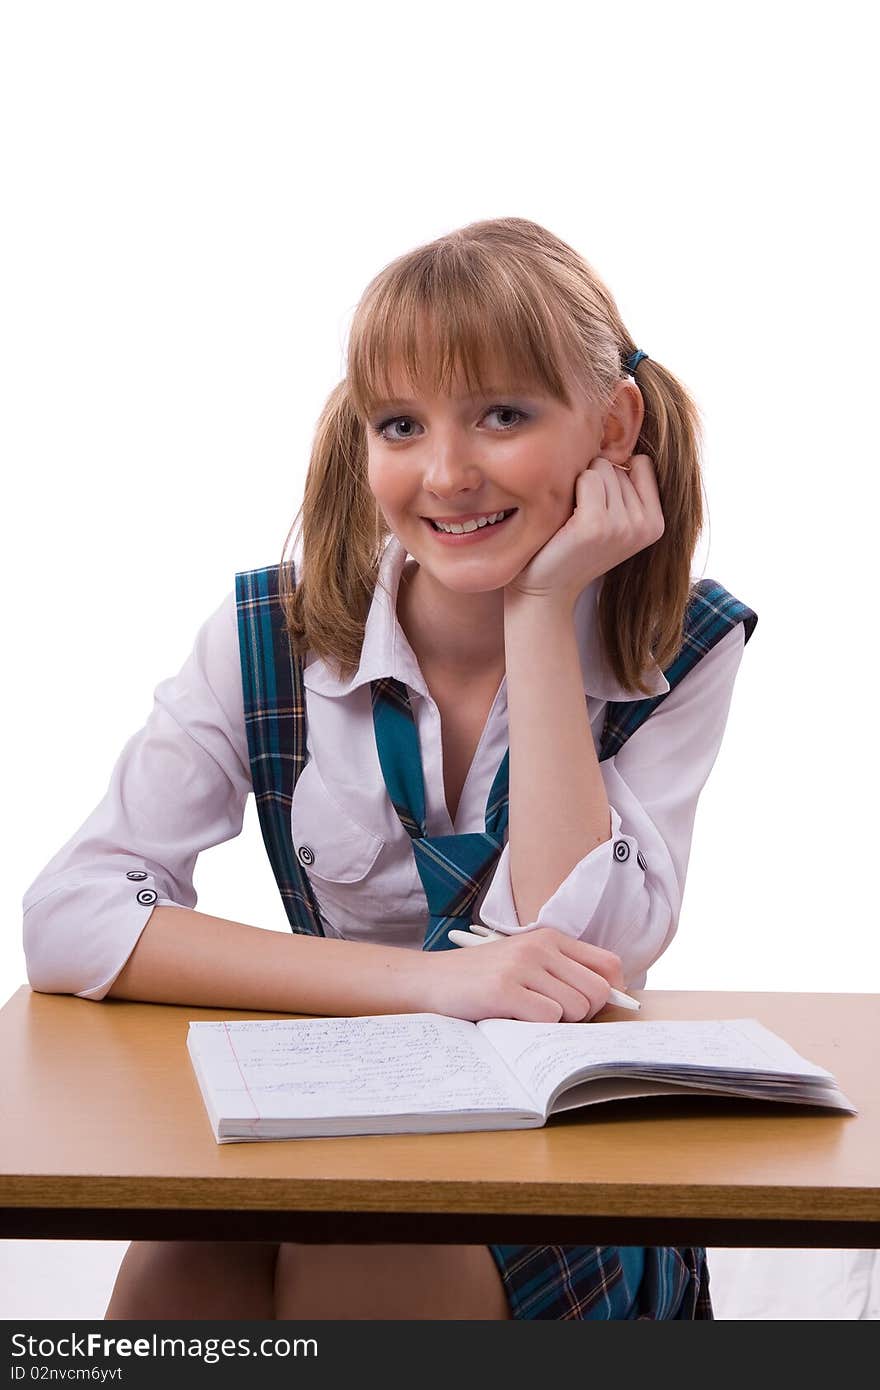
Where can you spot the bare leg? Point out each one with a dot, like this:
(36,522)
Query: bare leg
(388,1282)
(195,1279)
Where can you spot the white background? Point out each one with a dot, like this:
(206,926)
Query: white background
(196,196)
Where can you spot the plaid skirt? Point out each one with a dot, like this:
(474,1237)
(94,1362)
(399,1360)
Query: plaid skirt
(604,1281)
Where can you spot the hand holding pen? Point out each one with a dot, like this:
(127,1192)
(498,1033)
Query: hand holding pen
(479,935)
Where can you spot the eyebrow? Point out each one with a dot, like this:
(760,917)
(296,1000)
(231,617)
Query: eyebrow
(515,390)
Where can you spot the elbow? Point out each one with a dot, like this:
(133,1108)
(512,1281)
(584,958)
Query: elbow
(41,964)
(49,969)
(65,950)
(645,939)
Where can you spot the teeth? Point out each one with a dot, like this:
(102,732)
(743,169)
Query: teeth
(461,530)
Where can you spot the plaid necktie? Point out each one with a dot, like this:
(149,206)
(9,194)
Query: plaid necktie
(453,868)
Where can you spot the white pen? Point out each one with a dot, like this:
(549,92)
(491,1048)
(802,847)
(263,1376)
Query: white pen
(484,934)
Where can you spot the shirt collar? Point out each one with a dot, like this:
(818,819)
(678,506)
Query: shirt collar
(387,653)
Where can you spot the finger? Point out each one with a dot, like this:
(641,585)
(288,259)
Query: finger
(579,1002)
(574,982)
(611,480)
(644,484)
(630,480)
(589,480)
(643,478)
(630,499)
(638,487)
(534,1007)
(596,958)
(587,970)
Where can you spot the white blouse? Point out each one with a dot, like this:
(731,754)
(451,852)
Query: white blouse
(181,784)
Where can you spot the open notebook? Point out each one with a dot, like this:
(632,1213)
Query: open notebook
(429,1074)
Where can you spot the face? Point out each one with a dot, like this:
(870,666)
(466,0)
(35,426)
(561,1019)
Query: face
(455,457)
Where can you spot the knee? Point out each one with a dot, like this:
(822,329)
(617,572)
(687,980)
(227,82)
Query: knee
(388,1282)
(195,1279)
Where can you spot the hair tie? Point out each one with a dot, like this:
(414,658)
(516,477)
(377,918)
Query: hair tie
(633,361)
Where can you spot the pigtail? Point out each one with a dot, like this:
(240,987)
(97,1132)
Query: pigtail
(643,601)
(343,534)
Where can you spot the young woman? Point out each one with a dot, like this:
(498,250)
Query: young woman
(484,689)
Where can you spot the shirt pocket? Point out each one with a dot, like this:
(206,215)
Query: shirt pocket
(367,889)
(331,847)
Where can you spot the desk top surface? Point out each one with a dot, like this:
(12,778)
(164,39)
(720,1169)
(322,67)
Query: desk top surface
(100,1108)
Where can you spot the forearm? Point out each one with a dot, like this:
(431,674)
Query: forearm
(185,957)
(559,810)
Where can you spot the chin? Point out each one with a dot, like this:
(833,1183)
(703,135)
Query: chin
(471,584)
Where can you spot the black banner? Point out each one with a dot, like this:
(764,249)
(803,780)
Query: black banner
(205,1353)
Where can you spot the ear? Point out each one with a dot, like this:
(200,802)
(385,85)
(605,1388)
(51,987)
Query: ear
(622,423)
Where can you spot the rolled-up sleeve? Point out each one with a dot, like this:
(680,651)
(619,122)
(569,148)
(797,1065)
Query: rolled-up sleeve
(179,786)
(626,894)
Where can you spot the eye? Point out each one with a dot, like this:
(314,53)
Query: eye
(392,420)
(400,439)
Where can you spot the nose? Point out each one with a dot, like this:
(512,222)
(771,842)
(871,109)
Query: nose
(450,466)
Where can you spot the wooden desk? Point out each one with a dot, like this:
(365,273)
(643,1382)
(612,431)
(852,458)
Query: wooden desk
(104,1136)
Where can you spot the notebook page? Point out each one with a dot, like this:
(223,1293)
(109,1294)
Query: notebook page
(382,1064)
(544,1055)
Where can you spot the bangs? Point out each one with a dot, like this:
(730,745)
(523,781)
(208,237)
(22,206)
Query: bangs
(456,317)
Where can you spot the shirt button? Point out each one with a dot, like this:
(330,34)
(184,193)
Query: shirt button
(305,855)
(621,851)
(147,896)
(642,861)
(136,875)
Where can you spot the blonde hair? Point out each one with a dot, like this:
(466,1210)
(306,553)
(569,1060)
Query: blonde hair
(503,290)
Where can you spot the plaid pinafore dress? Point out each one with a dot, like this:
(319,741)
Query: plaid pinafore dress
(541,1281)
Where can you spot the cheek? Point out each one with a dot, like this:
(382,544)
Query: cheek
(558,491)
(545,473)
(388,476)
(557,494)
(381,481)
(374,473)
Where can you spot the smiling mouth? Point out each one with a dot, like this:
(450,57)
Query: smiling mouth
(471,525)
